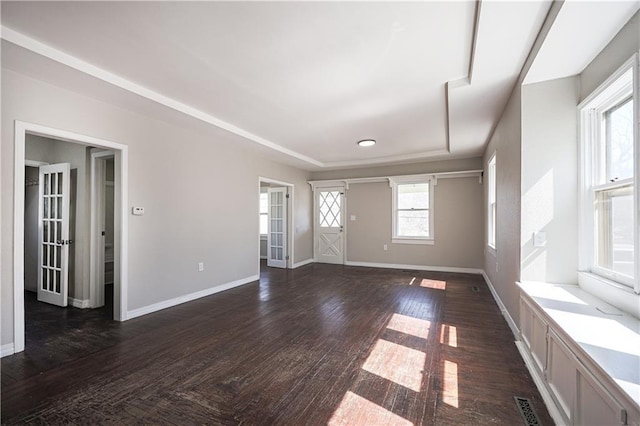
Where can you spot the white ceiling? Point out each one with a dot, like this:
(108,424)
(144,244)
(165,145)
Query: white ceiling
(305,79)
(580,31)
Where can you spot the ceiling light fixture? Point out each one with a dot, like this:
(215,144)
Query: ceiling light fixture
(366,142)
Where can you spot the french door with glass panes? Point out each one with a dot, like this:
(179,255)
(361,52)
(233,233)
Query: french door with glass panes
(277,232)
(53,234)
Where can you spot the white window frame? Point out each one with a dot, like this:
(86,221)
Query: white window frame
(492,206)
(265,213)
(606,96)
(405,180)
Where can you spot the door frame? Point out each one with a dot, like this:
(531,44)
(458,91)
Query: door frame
(21,129)
(343,187)
(290,219)
(97,185)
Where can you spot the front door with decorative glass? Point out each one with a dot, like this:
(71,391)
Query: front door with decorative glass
(329,226)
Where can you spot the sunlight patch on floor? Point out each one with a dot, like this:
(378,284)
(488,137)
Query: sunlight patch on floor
(449,335)
(450,384)
(409,325)
(356,410)
(438,285)
(396,363)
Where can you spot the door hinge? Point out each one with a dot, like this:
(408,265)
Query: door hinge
(287,195)
(286,257)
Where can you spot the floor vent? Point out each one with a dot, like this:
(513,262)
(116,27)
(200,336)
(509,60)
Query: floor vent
(526,411)
(475,288)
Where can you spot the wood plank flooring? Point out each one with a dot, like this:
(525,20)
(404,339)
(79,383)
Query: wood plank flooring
(322,344)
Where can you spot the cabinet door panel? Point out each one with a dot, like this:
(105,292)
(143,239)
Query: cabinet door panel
(561,375)
(539,341)
(525,323)
(594,404)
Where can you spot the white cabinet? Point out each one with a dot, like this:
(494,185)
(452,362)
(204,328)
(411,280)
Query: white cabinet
(580,387)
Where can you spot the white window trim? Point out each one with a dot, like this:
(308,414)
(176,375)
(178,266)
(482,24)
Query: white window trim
(393,183)
(605,281)
(492,188)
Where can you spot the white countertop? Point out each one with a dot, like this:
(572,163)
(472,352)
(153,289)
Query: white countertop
(609,336)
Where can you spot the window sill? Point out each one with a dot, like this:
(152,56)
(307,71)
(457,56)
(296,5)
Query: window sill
(423,241)
(616,294)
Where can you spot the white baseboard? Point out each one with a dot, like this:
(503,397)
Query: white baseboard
(189,297)
(6,350)
(78,303)
(554,412)
(416,267)
(503,309)
(302,263)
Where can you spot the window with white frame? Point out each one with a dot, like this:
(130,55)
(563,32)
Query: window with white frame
(609,181)
(491,202)
(412,210)
(264,212)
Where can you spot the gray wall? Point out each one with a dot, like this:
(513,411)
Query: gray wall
(623,45)
(31,196)
(458,219)
(503,266)
(199,192)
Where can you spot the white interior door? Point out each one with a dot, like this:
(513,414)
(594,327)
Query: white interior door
(53,234)
(277,230)
(329,227)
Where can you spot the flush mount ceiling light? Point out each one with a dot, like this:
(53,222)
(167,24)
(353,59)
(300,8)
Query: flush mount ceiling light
(366,142)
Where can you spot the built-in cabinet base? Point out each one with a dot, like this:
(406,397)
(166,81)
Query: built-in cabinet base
(584,355)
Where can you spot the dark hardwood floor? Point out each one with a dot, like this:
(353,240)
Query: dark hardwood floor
(322,344)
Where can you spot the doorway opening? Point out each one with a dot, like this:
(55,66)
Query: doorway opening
(59,204)
(276,224)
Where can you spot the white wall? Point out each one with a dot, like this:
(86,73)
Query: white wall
(550,181)
(535,116)
(199,194)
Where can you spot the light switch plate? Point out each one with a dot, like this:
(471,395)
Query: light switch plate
(539,239)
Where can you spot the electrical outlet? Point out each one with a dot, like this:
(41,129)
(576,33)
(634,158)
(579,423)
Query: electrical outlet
(200,266)
(384,247)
